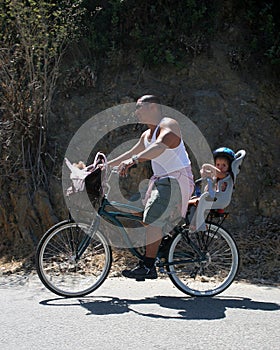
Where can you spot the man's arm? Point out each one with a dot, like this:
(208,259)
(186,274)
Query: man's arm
(169,137)
(127,155)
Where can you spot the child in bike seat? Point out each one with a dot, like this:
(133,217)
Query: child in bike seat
(221,172)
(218,196)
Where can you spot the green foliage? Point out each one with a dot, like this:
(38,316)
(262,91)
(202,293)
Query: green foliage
(164,31)
(157,31)
(263,20)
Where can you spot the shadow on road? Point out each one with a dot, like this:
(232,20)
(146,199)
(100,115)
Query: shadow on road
(187,309)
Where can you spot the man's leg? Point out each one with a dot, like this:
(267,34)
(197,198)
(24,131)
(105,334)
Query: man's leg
(153,239)
(154,209)
(146,269)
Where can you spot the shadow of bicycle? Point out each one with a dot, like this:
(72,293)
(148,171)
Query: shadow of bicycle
(161,307)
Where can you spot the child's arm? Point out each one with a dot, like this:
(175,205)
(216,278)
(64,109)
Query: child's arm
(193,201)
(209,170)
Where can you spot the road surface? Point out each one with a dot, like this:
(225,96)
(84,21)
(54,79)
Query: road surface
(137,315)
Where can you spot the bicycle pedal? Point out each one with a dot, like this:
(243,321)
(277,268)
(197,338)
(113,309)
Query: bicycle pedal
(140,279)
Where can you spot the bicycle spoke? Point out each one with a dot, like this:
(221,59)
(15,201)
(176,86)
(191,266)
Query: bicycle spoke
(213,265)
(61,266)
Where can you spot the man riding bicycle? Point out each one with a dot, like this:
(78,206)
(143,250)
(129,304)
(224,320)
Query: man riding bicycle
(161,144)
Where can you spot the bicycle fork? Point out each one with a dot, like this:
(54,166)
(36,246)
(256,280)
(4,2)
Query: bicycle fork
(88,237)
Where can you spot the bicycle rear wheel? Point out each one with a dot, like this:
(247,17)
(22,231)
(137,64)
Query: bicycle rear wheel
(207,265)
(70,262)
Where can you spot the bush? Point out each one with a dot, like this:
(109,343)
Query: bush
(156,31)
(262,18)
(34,35)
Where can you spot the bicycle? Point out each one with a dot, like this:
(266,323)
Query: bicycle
(74,259)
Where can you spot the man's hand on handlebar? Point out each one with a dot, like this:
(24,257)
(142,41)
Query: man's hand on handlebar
(124,166)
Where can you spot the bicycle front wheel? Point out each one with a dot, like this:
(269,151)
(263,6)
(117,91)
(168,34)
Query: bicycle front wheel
(71,261)
(203,263)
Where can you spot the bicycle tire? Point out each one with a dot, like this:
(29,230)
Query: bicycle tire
(58,267)
(207,276)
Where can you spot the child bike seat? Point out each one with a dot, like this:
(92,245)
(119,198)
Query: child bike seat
(219,197)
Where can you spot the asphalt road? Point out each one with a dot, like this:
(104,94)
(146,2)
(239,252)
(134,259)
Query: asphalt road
(137,315)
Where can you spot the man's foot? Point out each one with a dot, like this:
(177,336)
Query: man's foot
(141,272)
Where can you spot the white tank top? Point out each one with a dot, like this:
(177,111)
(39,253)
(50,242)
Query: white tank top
(170,160)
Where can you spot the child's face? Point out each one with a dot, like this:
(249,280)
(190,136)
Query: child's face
(222,164)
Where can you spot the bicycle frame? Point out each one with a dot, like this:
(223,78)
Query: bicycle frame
(127,211)
(113,217)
